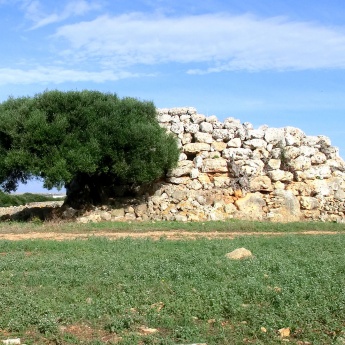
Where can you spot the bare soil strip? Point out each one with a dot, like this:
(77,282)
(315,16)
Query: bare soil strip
(154,235)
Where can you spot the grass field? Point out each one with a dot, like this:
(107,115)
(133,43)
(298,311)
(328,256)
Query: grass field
(98,291)
(136,227)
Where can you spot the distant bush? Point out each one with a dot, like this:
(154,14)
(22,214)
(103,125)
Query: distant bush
(7,200)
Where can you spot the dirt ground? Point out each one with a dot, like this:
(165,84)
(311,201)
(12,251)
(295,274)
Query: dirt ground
(154,235)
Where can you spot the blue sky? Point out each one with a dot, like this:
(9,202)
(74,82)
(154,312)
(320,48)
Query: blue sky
(266,62)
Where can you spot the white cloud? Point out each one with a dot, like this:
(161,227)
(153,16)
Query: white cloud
(213,42)
(34,11)
(58,75)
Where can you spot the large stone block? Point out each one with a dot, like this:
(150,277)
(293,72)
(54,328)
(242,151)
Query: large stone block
(196,147)
(214,165)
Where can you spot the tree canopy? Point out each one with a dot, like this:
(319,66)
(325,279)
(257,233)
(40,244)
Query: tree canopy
(82,138)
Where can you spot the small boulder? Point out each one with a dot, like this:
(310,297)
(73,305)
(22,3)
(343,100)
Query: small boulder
(239,253)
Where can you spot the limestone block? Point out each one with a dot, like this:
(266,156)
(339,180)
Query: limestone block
(290,152)
(186,138)
(221,181)
(197,118)
(248,126)
(204,179)
(181,218)
(206,127)
(191,111)
(230,121)
(230,209)
(194,184)
(177,128)
(211,119)
(293,136)
(274,164)
(285,206)
(331,152)
(175,119)
(336,164)
(251,206)
(177,111)
(185,118)
(255,144)
(183,168)
(301,163)
(308,151)
(321,187)
(322,171)
(318,158)
(140,210)
(182,157)
(178,180)
(261,183)
(217,125)
(280,175)
(198,161)
(222,134)
(241,133)
(252,167)
(292,140)
(191,128)
(310,140)
(117,212)
(164,118)
(105,215)
(194,173)
(256,134)
(179,195)
(202,137)
(324,141)
(237,153)
(239,254)
(300,188)
(236,142)
(275,136)
(214,165)
(260,154)
(196,147)
(339,194)
(309,203)
(218,146)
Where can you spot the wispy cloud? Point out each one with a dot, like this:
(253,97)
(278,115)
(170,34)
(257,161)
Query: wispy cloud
(35,11)
(56,75)
(212,42)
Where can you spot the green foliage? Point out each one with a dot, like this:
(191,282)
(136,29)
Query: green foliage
(60,135)
(187,290)
(22,199)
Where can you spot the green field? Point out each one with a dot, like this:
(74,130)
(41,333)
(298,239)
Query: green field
(98,291)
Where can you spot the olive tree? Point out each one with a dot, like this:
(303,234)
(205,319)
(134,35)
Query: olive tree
(88,141)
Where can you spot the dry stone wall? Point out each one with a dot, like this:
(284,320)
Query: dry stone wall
(231,170)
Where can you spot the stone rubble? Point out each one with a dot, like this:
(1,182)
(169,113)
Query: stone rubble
(231,170)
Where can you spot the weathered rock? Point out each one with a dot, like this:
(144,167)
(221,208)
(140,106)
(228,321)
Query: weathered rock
(206,127)
(261,183)
(196,147)
(203,137)
(239,254)
(285,206)
(214,165)
(183,168)
(280,175)
(309,203)
(251,206)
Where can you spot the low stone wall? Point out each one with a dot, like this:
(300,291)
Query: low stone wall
(231,170)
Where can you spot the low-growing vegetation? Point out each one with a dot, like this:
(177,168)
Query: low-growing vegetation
(241,226)
(7,200)
(174,292)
